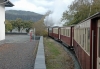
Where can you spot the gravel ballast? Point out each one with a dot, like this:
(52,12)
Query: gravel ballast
(17,53)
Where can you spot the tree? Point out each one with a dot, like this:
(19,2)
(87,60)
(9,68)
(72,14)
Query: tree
(8,26)
(18,24)
(28,25)
(13,25)
(40,27)
(80,10)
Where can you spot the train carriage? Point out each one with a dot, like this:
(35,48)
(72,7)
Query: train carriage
(85,39)
(50,32)
(86,42)
(66,35)
(98,44)
(56,33)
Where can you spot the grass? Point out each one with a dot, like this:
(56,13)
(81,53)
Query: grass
(52,48)
(56,56)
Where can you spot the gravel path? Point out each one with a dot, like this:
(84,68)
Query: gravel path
(17,38)
(17,53)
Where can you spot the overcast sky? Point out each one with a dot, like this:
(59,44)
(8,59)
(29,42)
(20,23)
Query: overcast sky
(38,6)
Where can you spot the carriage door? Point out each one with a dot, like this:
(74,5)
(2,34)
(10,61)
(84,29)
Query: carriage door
(59,33)
(98,48)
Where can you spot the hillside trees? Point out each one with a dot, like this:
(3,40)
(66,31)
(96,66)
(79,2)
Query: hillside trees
(19,24)
(80,10)
(24,15)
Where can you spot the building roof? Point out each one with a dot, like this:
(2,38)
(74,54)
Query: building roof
(8,4)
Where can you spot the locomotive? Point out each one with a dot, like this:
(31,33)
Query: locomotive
(84,38)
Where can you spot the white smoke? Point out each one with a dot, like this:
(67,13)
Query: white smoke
(54,19)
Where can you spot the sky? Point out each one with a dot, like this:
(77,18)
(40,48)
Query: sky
(42,6)
(38,6)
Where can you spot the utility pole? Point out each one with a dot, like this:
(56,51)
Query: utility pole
(90,8)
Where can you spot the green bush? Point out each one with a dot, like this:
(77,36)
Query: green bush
(45,33)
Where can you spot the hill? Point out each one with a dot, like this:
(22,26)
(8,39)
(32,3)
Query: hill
(24,15)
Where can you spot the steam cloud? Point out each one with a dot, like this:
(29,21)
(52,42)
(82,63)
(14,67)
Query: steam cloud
(54,19)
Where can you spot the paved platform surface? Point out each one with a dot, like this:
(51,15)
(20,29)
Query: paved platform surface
(17,53)
(40,57)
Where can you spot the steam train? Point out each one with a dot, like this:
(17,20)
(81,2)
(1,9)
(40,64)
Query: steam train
(84,38)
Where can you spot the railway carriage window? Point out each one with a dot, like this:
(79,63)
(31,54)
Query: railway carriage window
(77,35)
(83,40)
(68,33)
(74,34)
(63,31)
(80,37)
(85,30)
(99,42)
(88,40)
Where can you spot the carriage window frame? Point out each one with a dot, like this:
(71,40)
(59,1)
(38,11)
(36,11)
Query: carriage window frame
(65,32)
(88,40)
(99,43)
(79,36)
(85,39)
(62,31)
(68,32)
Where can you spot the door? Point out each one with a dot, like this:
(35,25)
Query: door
(98,47)
(59,32)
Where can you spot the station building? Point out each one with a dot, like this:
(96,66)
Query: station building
(3,4)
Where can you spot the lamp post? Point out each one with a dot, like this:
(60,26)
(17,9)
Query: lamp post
(34,34)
